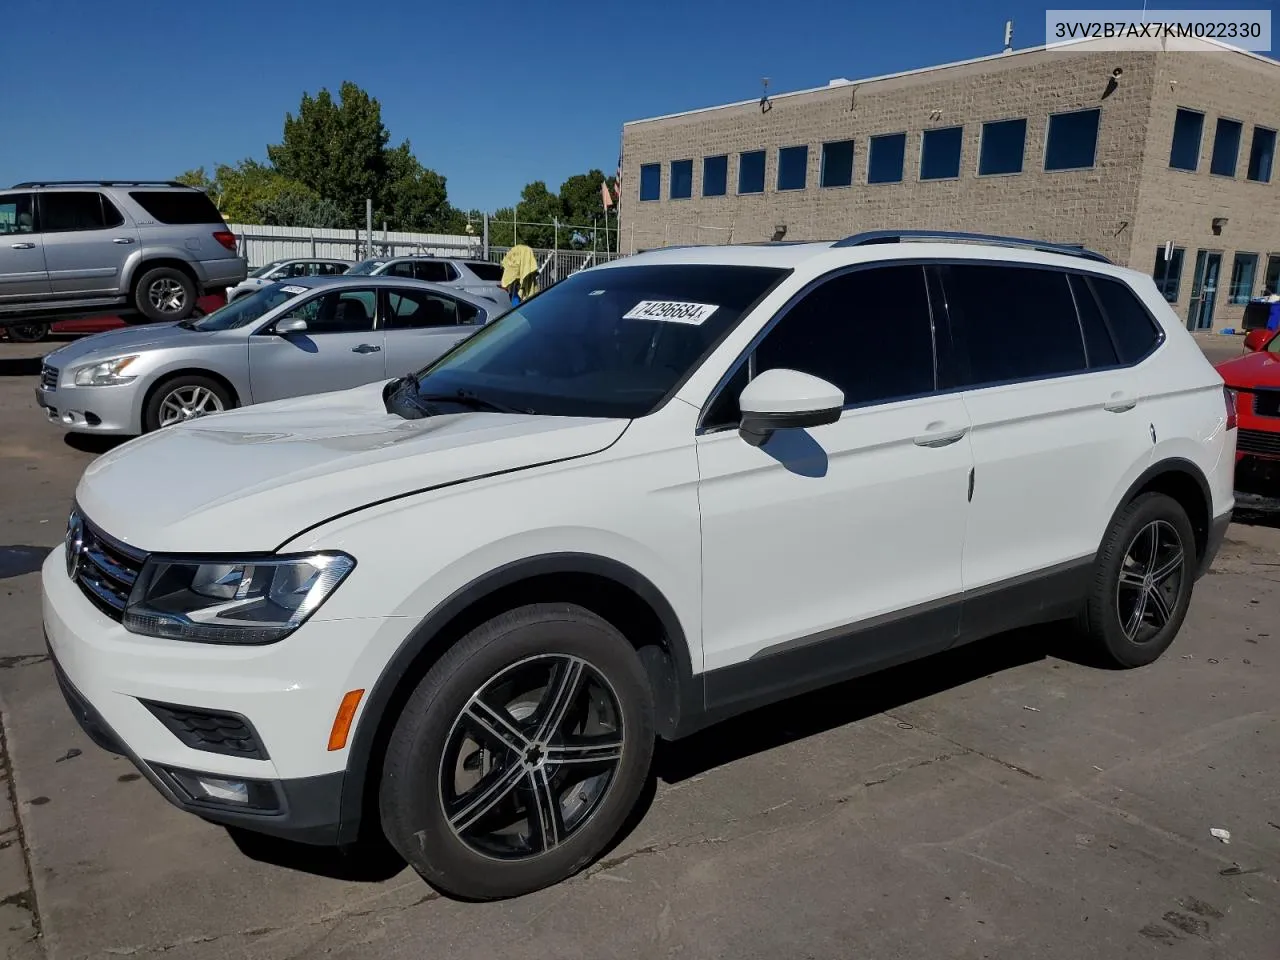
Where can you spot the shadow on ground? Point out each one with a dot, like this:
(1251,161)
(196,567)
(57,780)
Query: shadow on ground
(755,732)
(20,366)
(17,560)
(92,443)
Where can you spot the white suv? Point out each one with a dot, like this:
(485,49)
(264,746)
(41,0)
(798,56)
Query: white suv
(460,606)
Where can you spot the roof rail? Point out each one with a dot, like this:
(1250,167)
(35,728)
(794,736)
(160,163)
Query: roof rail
(898,236)
(99,183)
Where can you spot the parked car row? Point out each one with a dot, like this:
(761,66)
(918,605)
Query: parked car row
(310,335)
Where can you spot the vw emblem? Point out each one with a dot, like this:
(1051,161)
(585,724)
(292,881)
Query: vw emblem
(74,543)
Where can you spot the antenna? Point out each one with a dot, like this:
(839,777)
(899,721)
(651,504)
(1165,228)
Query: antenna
(765,105)
(1008,36)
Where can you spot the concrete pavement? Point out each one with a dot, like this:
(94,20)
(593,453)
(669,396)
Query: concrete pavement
(1004,800)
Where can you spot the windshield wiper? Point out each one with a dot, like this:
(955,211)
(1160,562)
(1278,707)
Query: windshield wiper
(468,399)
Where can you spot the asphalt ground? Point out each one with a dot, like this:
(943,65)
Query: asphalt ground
(1009,799)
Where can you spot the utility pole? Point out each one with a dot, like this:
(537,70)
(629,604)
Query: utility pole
(368,222)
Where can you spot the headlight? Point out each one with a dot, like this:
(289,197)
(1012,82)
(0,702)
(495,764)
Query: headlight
(105,373)
(231,601)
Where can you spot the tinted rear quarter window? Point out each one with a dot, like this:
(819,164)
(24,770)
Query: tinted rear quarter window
(490,272)
(177,206)
(1097,339)
(1017,323)
(1136,333)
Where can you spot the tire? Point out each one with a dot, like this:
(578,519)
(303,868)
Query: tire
(1124,634)
(438,827)
(201,395)
(164,294)
(27,332)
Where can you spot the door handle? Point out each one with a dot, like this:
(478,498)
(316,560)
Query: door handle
(1120,401)
(366,348)
(938,434)
(25,245)
(122,240)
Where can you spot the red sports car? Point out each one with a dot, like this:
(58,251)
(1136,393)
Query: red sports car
(38,330)
(1255,377)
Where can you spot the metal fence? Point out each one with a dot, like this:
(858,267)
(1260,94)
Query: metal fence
(262,244)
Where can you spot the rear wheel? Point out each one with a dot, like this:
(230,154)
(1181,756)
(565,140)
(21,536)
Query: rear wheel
(520,755)
(184,398)
(27,332)
(164,294)
(1142,582)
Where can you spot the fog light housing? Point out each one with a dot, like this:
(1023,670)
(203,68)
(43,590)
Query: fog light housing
(226,792)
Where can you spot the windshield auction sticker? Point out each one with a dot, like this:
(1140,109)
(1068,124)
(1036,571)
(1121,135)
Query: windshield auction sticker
(671,311)
(294,289)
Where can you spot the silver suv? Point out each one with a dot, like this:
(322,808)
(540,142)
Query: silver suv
(478,277)
(75,248)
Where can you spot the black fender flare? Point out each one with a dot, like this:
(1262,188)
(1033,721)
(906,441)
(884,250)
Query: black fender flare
(1175,465)
(684,696)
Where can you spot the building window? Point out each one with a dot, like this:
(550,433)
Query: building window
(1188,126)
(837,164)
(1243,270)
(715,176)
(1261,154)
(1072,143)
(885,157)
(650,181)
(940,154)
(1271,282)
(1226,147)
(681,179)
(1003,144)
(792,164)
(751,172)
(1168,273)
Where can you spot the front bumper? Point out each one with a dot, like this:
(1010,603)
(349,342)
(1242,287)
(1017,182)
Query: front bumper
(112,410)
(288,691)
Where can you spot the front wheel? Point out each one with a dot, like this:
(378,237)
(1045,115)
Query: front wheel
(1142,581)
(184,398)
(520,755)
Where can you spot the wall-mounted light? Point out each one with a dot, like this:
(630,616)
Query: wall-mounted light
(779,231)
(1218,224)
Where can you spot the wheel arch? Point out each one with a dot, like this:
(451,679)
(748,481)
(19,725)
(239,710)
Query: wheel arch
(144,264)
(1186,483)
(613,590)
(170,375)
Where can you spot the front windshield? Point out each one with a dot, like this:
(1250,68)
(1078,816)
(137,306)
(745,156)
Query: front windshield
(602,343)
(265,268)
(244,310)
(1273,345)
(366,267)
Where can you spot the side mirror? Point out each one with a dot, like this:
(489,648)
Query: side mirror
(781,399)
(1257,339)
(291,325)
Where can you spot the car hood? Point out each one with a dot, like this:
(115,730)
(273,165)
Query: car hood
(126,340)
(1253,370)
(251,479)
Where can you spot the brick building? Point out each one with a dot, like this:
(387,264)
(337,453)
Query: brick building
(1123,151)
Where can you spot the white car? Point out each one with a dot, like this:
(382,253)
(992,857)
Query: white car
(286,269)
(459,607)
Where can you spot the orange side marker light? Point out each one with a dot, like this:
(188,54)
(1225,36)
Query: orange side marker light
(342,722)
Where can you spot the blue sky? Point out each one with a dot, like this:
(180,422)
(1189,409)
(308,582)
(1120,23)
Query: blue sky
(492,94)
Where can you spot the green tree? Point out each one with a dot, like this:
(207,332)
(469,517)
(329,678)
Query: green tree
(240,190)
(337,149)
(296,206)
(413,197)
(196,178)
(583,206)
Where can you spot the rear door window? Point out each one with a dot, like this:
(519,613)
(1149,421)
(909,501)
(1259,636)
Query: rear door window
(415,309)
(68,210)
(1015,322)
(178,206)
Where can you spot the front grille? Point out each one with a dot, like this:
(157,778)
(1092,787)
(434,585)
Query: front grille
(1266,403)
(49,377)
(227,733)
(107,569)
(1258,441)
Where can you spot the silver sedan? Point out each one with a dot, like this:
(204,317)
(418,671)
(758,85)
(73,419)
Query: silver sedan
(309,335)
